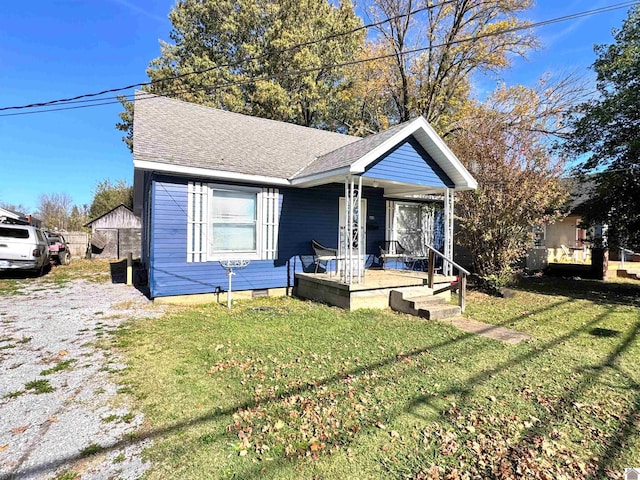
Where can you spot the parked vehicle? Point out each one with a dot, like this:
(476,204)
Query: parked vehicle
(23,247)
(58,248)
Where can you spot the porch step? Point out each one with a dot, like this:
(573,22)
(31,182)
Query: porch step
(421,302)
(634,275)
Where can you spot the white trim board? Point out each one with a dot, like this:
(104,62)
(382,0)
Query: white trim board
(209,173)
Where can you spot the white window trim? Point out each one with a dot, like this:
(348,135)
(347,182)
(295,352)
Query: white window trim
(267,223)
(237,254)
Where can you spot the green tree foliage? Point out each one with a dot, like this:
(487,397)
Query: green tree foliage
(224,34)
(78,217)
(220,35)
(503,143)
(606,130)
(109,195)
(126,122)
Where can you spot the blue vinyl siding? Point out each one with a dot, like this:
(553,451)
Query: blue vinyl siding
(409,163)
(306,214)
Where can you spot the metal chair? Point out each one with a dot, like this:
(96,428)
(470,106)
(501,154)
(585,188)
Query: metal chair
(324,254)
(391,250)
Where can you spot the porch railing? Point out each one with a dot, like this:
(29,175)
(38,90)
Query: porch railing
(460,284)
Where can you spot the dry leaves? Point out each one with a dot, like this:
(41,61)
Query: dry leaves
(21,429)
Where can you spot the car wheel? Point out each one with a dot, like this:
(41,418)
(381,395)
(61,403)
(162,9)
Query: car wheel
(64,258)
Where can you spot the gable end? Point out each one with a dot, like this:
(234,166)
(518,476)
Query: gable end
(408,162)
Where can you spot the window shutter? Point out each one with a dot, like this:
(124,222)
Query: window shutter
(270,220)
(197,222)
(389,226)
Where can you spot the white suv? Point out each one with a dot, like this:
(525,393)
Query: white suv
(23,247)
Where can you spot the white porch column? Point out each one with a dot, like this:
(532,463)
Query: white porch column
(448,229)
(352,240)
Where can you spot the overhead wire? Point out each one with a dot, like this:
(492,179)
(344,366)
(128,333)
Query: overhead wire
(233,64)
(298,72)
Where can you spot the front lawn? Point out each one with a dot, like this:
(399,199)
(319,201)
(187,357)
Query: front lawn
(281,388)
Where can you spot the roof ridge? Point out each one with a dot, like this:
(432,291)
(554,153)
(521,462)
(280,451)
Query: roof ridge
(229,112)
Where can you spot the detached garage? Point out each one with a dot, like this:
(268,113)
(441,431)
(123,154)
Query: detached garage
(116,233)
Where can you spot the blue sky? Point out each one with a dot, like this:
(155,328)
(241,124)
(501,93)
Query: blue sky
(60,48)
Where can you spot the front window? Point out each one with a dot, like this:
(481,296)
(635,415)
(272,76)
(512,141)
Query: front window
(234,220)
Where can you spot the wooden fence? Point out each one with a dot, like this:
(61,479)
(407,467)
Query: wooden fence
(78,243)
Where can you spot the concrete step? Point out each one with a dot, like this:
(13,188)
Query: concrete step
(439,312)
(421,302)
(426,300)
(627,274)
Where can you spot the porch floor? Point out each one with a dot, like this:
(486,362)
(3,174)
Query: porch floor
(372,292)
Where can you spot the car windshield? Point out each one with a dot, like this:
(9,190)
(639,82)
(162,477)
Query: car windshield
(8,232)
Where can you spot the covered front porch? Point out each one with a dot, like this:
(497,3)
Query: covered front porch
(415,174)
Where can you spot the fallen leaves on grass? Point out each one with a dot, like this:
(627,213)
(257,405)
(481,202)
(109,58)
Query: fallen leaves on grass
(483,444)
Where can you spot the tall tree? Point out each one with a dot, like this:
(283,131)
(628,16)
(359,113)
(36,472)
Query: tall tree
(504,143)
(109,195)
(245,48)
(54,210)
(78,217)
(457,39)
(606,130)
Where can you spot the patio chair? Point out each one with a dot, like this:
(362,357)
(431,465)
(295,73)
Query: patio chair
(566,254)
(391,250)
(324,254)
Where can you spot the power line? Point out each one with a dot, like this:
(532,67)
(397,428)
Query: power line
(292,73)
(235,64)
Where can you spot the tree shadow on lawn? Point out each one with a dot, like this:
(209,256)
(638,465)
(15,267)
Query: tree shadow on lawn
(565,405)
(598,291)
(470,384)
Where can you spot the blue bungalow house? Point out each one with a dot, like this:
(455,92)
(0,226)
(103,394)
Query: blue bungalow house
(212,185)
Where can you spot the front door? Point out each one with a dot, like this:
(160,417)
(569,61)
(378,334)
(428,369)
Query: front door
(416,225)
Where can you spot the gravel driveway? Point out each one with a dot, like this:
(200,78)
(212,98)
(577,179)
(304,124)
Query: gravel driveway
(59,414)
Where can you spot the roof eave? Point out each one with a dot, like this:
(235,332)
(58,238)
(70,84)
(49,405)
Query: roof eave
(209,173)
(320,178)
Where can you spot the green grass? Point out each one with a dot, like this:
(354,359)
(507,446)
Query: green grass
(280,388)
(90,450)
(59,367)
(67,475)
(39,386)
(9,287)
(15,394)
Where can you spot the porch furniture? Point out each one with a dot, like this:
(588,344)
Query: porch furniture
(324,254)
(566,254)
(391,250)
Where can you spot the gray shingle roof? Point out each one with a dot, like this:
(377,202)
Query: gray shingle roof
(185,134)
(349,153)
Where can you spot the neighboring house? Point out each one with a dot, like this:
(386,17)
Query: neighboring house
(565,239)
(116,233)
(9,216)
(213,185)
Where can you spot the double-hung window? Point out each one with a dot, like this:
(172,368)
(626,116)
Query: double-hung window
(233,228)
(229,221)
